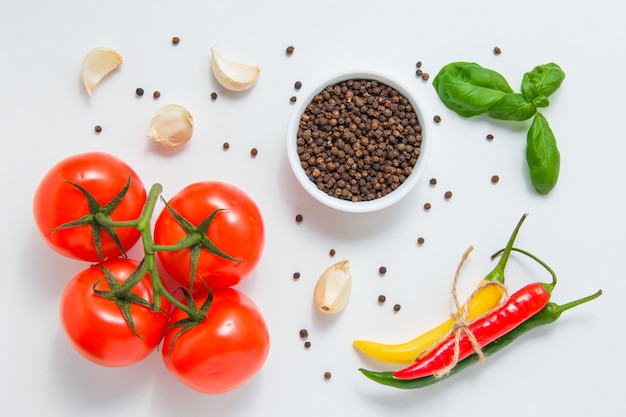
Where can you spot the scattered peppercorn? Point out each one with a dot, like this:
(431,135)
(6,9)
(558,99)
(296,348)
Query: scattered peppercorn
(139,92)
(156,94)
(299,218)
(293,99)
(175,40)
(254,152)
(490,137)
(497,50)
(289,50)
(427,206)
(358,140)
(213,95)
(304,333)
(420,240)
(327,375)
(296,275)
(97,129)
(448,195)
(433,181)
(382,270)
(297,85)
(226,146)
(425,76)
(332,252)
(495,179)
(419,72)
(382,299)
(437,118)
(307,344)
(418,64)
(397,307)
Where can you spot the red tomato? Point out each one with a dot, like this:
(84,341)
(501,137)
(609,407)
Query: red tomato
(222,352)
(96,327)
(56,202)
(237,231)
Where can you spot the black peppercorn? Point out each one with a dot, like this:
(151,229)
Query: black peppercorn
(296,275)
(139,92)
(97,129)
(289,50)
(175,40)
(358,140)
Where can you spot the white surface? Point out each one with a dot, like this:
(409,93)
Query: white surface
(573,367)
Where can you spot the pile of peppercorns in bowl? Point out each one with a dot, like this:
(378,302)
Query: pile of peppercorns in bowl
(356,142)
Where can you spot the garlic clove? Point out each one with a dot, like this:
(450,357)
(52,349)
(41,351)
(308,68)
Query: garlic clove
(97,64)
(233,76)
(171,126)
(333,288)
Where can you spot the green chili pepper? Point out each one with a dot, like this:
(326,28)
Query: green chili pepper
(549,314)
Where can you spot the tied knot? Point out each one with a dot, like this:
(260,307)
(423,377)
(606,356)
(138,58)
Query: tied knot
(461,318)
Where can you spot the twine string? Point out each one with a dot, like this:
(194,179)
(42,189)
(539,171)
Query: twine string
(461,318)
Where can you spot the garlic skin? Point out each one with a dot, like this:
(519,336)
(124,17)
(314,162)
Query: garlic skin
(97,64)
(231,75)
(333,288)
(171,126)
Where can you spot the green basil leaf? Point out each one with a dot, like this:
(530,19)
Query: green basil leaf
(543,80)
(542,155)
(512,106)
(469,89)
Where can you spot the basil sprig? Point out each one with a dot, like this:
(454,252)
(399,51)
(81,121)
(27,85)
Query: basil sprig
(471,90)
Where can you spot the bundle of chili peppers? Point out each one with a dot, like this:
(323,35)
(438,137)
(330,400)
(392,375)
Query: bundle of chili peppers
(470,336)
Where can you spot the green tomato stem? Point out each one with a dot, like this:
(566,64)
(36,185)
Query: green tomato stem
(142,224)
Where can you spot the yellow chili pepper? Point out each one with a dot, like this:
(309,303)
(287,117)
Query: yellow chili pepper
(484,300)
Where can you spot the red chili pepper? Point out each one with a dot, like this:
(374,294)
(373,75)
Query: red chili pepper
(517,309)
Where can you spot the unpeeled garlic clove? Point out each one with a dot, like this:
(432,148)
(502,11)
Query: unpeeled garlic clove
(171,126)
(97,64)
(233,76)
(333,288)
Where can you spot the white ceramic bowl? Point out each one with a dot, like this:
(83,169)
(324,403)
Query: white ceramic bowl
(338,203)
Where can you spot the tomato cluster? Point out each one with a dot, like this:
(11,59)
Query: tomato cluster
(93,207)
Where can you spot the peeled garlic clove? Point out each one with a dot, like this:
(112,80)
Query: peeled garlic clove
(333,288)
(171,126)
(233,76)
(97,64)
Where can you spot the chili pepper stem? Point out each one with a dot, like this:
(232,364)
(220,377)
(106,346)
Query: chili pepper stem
(549,287)
(559,309)
(497,274)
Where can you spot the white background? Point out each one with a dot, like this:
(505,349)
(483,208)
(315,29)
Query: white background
(574,367)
